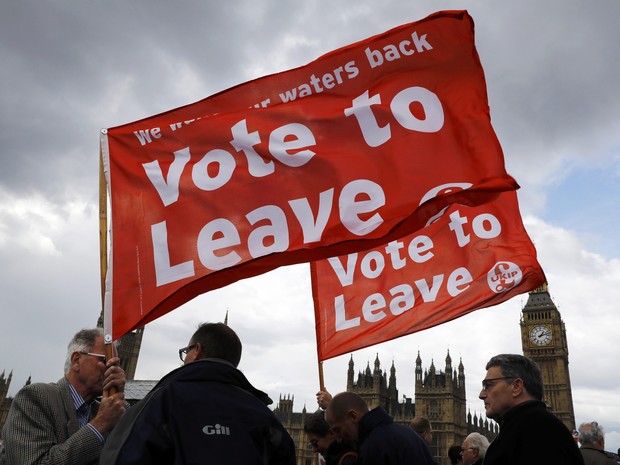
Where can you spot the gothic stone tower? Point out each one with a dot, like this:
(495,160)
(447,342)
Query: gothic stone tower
(373,386)
(543,337)
(128,349)
(294,424)
(440,397)
(5,383)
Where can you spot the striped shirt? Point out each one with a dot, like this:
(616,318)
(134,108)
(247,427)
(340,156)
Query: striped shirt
(82,409)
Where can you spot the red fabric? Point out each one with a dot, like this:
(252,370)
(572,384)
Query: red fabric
(469,258)
(374,128)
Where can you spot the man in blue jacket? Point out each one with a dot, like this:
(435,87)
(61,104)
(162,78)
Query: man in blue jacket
(380,440)
(204,411)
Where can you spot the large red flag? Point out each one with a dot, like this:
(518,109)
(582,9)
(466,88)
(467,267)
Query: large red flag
(357,148)
(466,259)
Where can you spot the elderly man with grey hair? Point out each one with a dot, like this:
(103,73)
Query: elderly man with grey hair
(67,422)
(592,439)
(474,449)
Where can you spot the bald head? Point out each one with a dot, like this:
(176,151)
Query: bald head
(344,414)
(345,401)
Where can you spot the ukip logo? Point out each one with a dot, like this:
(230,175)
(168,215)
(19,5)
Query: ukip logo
(504,276)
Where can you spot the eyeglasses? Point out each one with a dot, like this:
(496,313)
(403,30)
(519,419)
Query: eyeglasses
(487,384)
(313,444)
(468,448)
(183,352)
(102,358)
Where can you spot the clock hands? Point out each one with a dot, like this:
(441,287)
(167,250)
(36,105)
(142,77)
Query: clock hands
(540,335)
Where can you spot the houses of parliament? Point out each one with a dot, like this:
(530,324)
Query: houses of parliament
(439,390)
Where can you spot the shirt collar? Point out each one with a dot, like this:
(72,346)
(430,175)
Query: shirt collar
(78,400)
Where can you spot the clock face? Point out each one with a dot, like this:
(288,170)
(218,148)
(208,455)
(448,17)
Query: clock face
(540,335)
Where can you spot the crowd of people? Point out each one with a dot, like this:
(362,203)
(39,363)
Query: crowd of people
(208,410)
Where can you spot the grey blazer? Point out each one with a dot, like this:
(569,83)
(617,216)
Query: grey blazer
(42,428)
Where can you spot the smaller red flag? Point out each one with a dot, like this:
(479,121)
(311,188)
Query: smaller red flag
(466,259)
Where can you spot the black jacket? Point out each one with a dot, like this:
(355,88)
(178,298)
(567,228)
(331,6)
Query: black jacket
(203,412)
(384,442)
(340,454)
(531,435)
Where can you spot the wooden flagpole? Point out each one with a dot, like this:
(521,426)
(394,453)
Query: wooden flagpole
(321,378)
(103,245)
(103,226)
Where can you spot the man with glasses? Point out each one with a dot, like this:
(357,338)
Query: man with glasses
(203,412)
(64,423)
(474,449)
(512,392)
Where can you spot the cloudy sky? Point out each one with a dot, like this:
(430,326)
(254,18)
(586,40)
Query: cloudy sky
(69,69)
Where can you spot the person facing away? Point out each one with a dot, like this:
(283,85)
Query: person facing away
(512,392)
(323,441)
(206,411)
(454,454)
(592,439)
(474,449)
(378,438)
(423,427)
(63,423)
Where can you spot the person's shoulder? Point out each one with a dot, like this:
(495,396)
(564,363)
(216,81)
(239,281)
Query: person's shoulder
(35,389)
(545,424)
(396,433)
(612,457)
(539,415)
(601,456)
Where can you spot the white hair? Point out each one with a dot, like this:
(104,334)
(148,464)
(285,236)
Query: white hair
(478,442)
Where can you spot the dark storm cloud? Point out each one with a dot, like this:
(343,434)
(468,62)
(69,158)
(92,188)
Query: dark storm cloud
(63,62)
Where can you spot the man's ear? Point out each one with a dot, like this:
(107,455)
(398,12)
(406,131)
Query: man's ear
(518,388)
(353,415)
(75,356)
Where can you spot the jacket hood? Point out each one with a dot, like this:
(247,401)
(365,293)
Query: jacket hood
(371,420)
(214,370)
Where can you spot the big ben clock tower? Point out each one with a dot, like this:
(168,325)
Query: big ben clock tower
(543,338)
